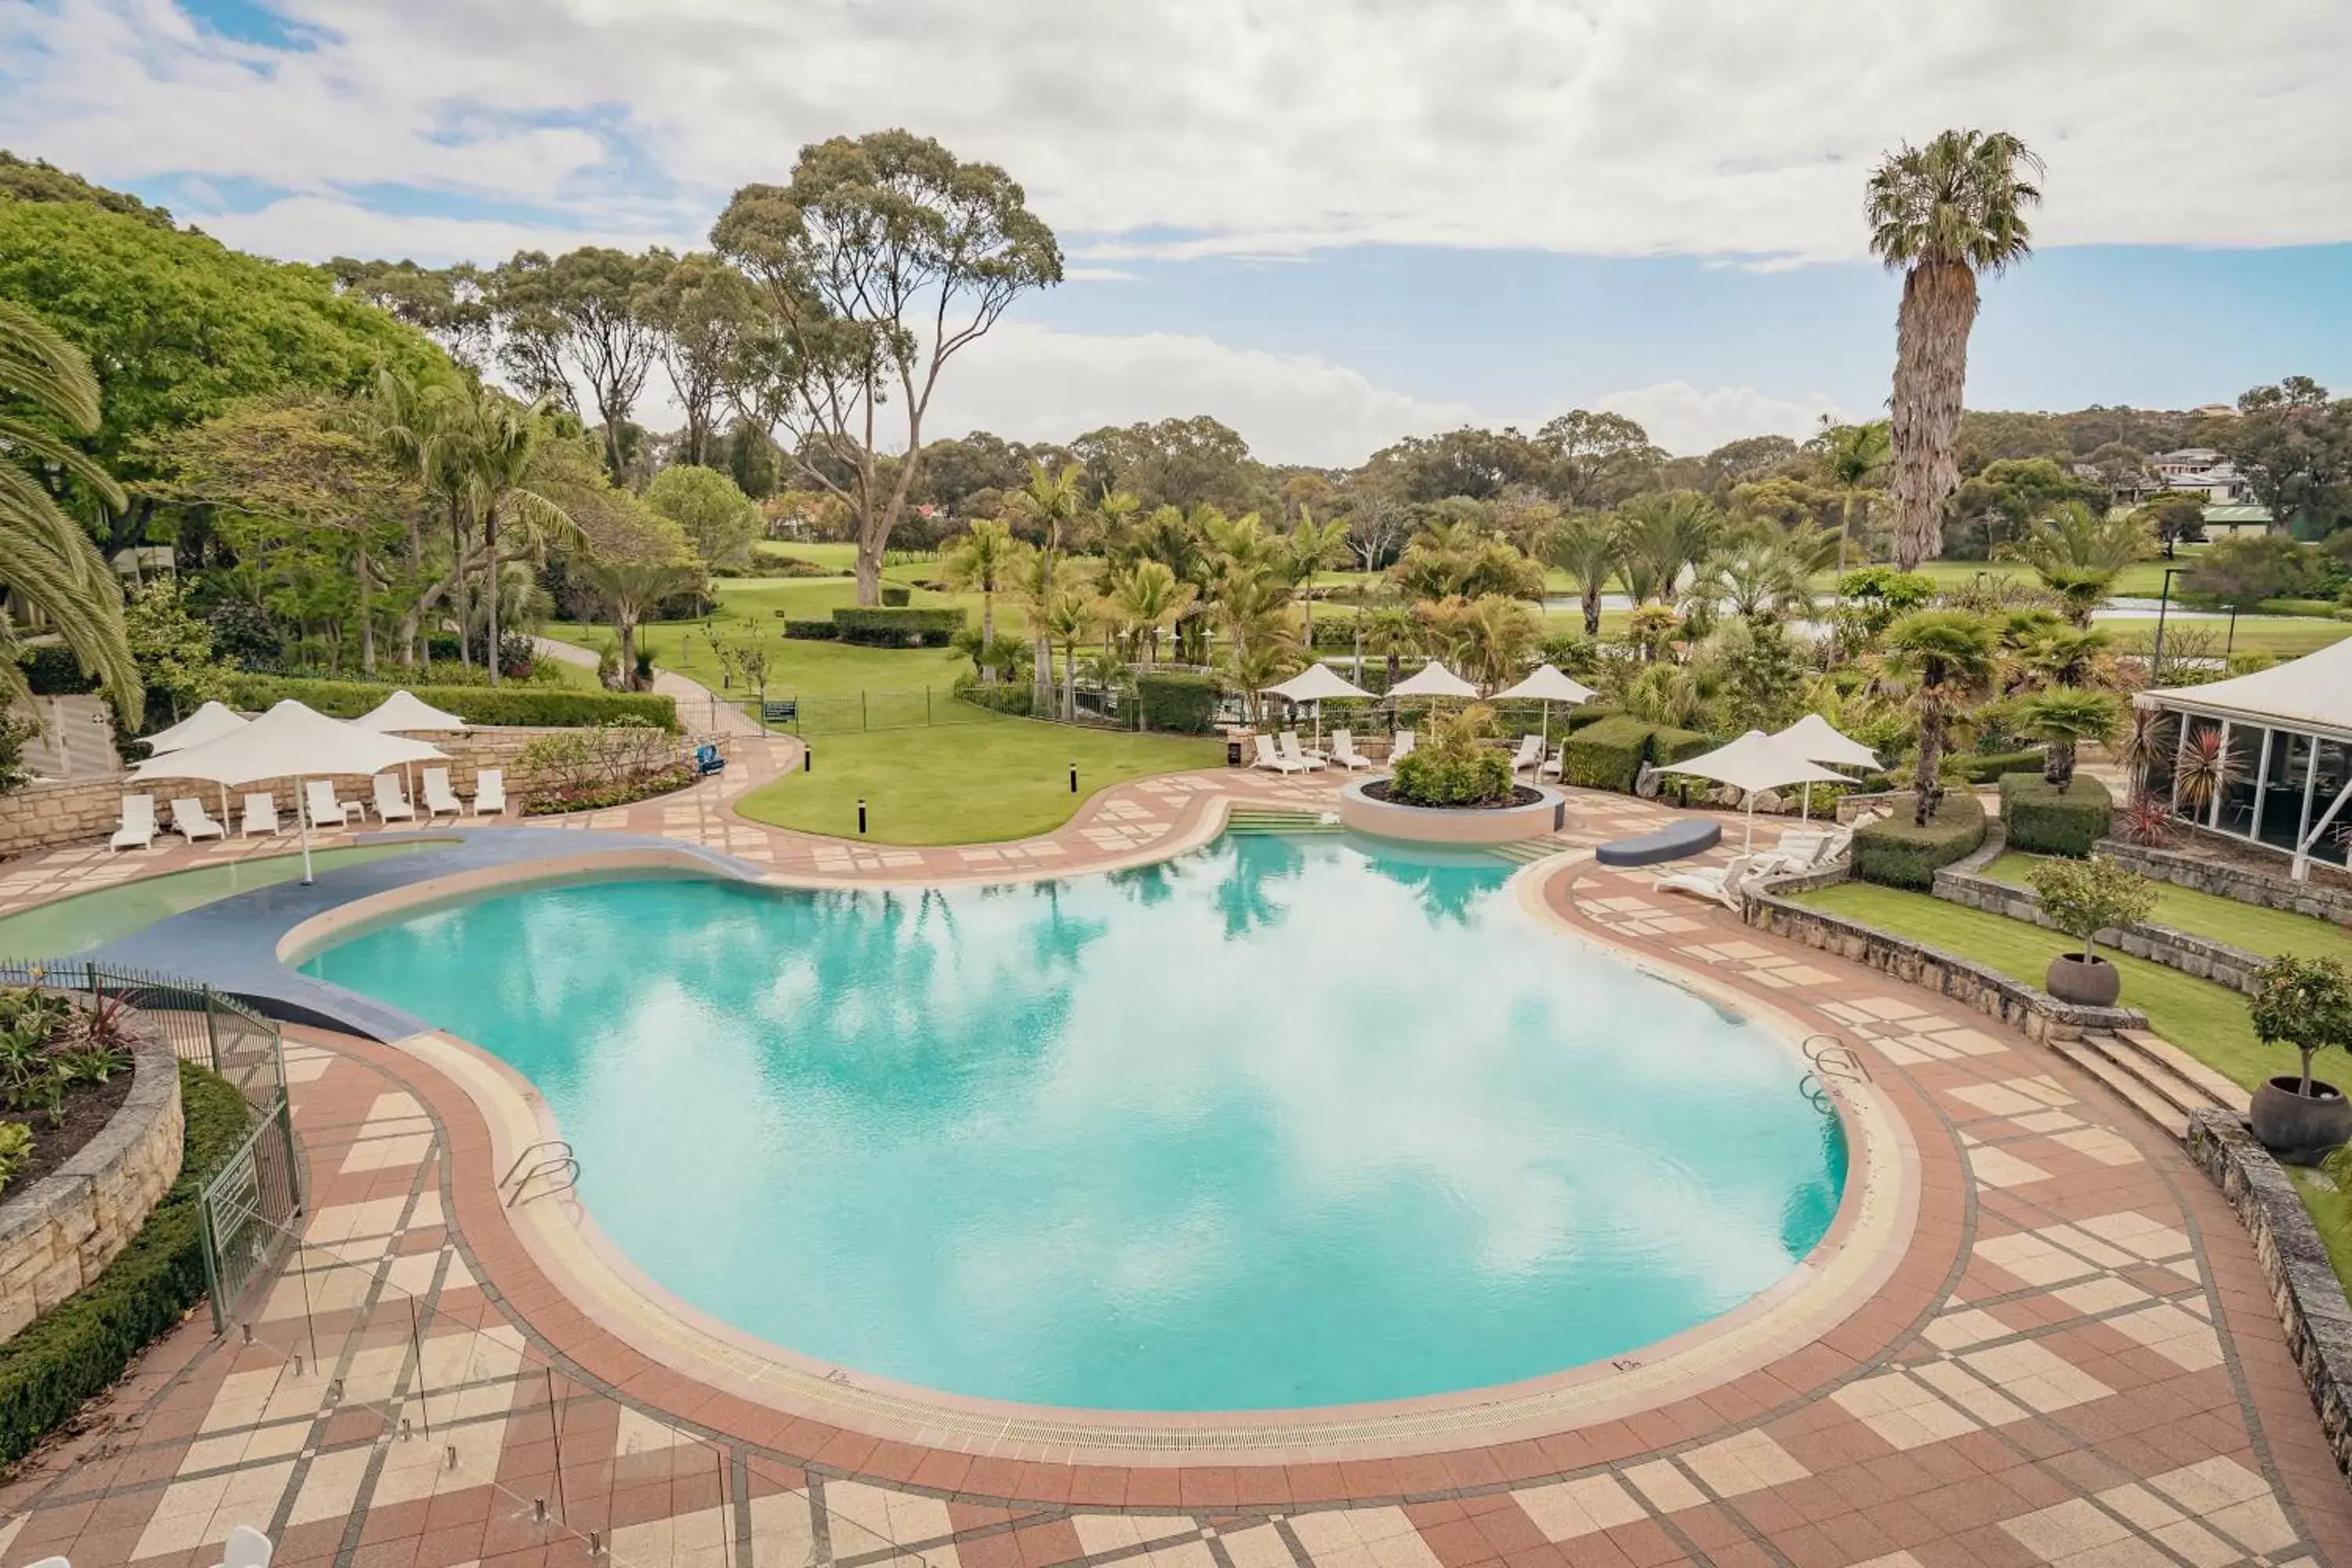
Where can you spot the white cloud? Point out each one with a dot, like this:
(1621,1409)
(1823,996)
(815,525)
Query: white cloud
(313,228)
(1715,127)
(1684,419)
(1034,383)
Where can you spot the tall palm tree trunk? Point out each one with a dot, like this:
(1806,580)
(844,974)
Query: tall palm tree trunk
(1931,367)
(490,546)
(1592,607)
(1931,754)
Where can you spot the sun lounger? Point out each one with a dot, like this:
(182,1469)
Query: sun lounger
(1553,763)
(1292,751)
(439,798)
(391,800)
(325,811)
(246,1548)
(1400,747)
(261,814)
(138,830)
(189,822)
(1268,758)
(1721,883)
(1529,754)
(490,793)
(1344,752)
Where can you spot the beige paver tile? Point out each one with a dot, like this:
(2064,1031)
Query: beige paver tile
(1666,1488)
(1567,1509)
(1748,1462)
(2035,1375)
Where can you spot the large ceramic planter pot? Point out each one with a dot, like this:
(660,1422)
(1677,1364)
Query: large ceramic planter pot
(2092,982)
(2299,1127)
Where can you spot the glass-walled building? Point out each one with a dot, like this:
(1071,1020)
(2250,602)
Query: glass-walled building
(2265,758)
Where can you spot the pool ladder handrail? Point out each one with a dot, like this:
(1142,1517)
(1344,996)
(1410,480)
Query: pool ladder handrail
(1834,1063)
(556,1159)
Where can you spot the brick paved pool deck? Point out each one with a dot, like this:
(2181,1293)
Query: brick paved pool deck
(2071,1357)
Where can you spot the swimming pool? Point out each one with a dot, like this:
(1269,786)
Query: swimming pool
(1286,1121)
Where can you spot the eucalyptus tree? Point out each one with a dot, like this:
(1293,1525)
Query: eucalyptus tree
(883,259)
(703,312)
(1941,215)
(586,316)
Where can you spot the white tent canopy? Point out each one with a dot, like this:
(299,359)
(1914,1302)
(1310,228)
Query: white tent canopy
(404,710)
(1545,684)
(292,741)
(209,723)
(2311,694)
(1433,680)
(1813,739)
(1315,683)
(1755,762)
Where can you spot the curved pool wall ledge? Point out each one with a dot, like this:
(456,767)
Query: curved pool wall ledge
(1437,825)
(1855,1257)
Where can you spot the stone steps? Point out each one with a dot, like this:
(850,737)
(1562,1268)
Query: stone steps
(2162,1083)
(1279,819)
(2156,1107)
(1527,851)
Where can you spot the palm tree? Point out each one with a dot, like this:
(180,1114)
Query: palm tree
(1149,599)
(492,441)
(983,559)
(2065,717)
(1070,618)
(630,588)
(1854,457)
(1665,533)
(47,562)
(1491,637)
(1393,632)
(1314,548)
(1941,215)
(1949,655)
(2078,553)
(1588,546)
(1759,571)
(1055,501)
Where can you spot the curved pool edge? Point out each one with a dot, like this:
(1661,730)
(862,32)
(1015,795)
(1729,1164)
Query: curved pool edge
(1861,1251)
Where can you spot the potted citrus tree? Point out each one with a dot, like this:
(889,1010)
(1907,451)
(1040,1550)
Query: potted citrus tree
(2306,1002)
(2084,898)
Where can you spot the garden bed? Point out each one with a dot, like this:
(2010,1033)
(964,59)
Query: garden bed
(89,1107)
(1382,790)
(556,801)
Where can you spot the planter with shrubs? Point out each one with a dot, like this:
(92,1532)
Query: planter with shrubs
(2043,820)
(2306,1002)
(1896,853)
(2084,898)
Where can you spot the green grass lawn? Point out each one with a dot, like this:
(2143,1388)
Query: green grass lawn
(971,783)
(2330,1215)
(2257,929)
(2206,1020)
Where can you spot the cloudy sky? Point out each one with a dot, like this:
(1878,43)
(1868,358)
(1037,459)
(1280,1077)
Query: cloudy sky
(1329,223)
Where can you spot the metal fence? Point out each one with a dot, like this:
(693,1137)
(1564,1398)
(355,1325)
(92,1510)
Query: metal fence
(247,1207)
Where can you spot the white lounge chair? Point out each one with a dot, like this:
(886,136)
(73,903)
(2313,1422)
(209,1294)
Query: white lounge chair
(490,793)
(439,798)
(391,800)
(261,814)
(190,821)
(246,1548)
(1272,760)
(1721,883)
(1292,751)
(1399,748)
(326,811)
(1530,752)
(138,830)
(1344,752)
(1553,763)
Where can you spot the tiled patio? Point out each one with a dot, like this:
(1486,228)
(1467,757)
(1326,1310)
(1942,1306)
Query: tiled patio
(2073,1362)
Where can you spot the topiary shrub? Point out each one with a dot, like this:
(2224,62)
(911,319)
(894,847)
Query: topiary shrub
(1984,770)
(1585,714)
(811,631)
(544,707)
(67,1358)
(2043,821)
(1895,854)
(1606,755)
(1178,702)
(897,595)
(1668,744)
(888,627)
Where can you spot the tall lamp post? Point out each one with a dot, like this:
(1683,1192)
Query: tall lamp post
(2163,603)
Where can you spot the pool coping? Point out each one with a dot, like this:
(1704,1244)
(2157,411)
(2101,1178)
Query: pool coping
(1863,1247)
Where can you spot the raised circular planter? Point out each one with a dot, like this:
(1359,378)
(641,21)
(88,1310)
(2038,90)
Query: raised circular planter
(1438,825)
(58,1233)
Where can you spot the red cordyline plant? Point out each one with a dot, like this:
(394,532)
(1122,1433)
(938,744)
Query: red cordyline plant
(2205,769)
(2146,821)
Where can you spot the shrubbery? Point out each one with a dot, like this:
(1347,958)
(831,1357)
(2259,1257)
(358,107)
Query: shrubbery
(897,627)
(1898,855)
(1609,752)
(1017,697)
(1986,769)
(51,671)
(812,631)
(583,770)
(551,708)
(1452,768)
(2042,821)
(1178,702)
(59,1363)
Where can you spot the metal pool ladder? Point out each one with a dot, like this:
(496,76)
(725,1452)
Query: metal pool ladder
(550,1157)
(1834,1062)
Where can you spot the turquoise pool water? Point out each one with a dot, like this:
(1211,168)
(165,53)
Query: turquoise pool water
(1286,1121)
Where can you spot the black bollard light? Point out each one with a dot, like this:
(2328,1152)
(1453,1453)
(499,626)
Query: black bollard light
(808,759)
(1073,778)
(861,816)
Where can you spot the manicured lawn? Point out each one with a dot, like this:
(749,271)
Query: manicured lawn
(2330,1215)
(2288,637)
(969,783)
(2257,929)
(2204,1019)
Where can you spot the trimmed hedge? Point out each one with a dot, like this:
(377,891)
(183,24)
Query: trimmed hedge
(1895,854)
(1585,714)
(811,631)
(2043,822)
(1179,702)
(1607,753)
(1989,768)
(1671,746)
(891,626)
(62,1362)
(897,595)
(539,706)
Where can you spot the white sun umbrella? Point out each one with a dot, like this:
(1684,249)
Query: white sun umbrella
(209,723)
(406,713)
(288,742)
(1755,762)
(1313,684)
(1547,684)
(1433,681)
(1814,739)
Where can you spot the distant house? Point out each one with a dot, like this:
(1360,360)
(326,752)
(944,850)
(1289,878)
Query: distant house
(2214,411)
(141,562)
(2231,521)
(2201,469)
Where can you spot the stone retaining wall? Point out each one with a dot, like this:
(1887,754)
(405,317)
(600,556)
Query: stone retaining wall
(2304,1287)
(2035,1013)
(58,1232)
(2223,964)
(2328,900)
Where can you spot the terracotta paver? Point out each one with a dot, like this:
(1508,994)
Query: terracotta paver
(2074,1361)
